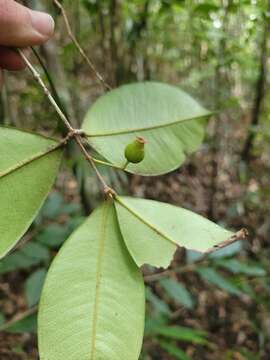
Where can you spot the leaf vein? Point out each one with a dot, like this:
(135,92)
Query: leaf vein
(28,161)
(98,278)
(145,222)
(153,127)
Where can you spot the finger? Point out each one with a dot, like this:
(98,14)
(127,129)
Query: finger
(10,59)
(23,27)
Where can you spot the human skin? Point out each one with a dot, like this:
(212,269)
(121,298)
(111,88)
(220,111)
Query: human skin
(20,27)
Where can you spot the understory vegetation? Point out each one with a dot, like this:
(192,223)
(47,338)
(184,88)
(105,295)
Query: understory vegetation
(213,306)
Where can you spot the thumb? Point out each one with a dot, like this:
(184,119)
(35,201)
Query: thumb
(22,27)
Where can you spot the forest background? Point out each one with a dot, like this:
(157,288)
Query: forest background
(218,51)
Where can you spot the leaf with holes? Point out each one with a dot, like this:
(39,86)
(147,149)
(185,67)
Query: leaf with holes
(28,167)
(170,121)
(98,311)
(152,230)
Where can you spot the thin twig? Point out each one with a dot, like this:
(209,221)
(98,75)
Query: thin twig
(18,317)
(108,190)
(180,270)
(50,81)
(45,90)
(78,46)
(101,162)
(76,134)
(240,235)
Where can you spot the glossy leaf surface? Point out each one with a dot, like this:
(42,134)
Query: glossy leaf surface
(152,230)
(26,177)
(167,118)
(92,305)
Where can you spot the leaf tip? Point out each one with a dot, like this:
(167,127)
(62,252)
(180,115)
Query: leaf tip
(239,235)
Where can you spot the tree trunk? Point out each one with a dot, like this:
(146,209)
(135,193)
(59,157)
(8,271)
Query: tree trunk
(112,41)
(218,131)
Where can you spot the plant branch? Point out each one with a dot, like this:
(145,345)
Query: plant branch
(101,162)
(18,317)
(239,235)
(76,134)
(89,158)
(78,46)
(242,234)
(45,90)
(179,270)
(50,81)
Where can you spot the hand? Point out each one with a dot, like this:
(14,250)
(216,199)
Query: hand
(20,27)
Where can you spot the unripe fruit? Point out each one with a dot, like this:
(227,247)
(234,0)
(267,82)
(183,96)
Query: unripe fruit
(134,152)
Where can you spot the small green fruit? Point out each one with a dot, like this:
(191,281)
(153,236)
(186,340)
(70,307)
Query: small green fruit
(134,152)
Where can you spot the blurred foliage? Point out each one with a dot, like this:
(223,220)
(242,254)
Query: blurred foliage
(204,308)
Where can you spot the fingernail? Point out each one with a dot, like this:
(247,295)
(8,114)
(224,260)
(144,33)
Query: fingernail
(42,23)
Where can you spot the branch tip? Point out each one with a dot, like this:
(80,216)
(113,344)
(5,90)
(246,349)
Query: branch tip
(239,235)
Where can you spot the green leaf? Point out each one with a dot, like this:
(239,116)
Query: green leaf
(214,278)
(174,350)
(151,322)
(28,167)
(166,117)
(2,319)
(53,206)
(159,306)
(177,292)
(53,235)
(92,303)
(36,251)
(237,267)
(152,230)
(31,254)
(224,252)
(205,9)
(192,256)
(228,251)
(27,324)
(249,355)
(33,286)
(182,334)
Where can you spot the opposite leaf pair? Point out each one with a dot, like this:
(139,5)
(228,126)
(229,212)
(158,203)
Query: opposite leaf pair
(98,310)
(92,305)
(169,119)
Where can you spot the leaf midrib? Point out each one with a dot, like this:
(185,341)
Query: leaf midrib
(28,161)
(145,222)
(153,127)
(233,238)
(98,277)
